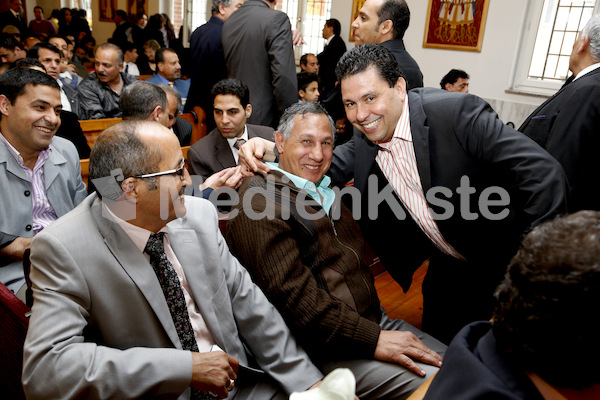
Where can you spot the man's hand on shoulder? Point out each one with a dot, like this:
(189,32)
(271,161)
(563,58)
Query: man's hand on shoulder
(401,347)
(213,372)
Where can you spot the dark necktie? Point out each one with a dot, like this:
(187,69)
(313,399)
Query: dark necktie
(171,287)
(126,68)
(238,143)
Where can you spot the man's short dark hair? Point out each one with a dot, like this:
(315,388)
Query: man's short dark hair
(360,58)
(34,51)
(120,146)
(396,11)
(9,42)
(122,14)
(140,98)
(549,298)
(27,62)
(304,58)
(452,76)
(160,54)
(128,46)
(233,87)
(337,27)
(13,82)
(305,78)
(39,8)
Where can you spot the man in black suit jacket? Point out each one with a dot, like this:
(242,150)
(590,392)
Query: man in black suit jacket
(567,125)
(334,49)
(217,151)
(384,22)
(13,17)
(444,180)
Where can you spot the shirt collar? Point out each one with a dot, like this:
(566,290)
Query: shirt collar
(235,139)
(163,79)
(321,191)
(327,41)
(587,70)
(42,157)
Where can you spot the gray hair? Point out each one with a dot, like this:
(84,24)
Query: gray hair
(215,5)
(140,98)
(120,146)
(111,46)
(592,30)
(286,123)
(171,91)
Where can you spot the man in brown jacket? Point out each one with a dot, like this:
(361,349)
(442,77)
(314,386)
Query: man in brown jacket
(304,249)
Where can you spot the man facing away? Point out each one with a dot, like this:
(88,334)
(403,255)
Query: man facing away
(219,149)
(333,51)
(168,71)
(41,174)
(100,92)
(440,178)
(567,125)
(258,47)
(307,258)
(456,80)
(136,294)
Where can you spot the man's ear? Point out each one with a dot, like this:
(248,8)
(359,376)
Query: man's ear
(448,86)
(400,86)
(4,104)
(155,115)
(248,110)
(386,27)
(585,44)
(128,188)
(279,142)
(301,94)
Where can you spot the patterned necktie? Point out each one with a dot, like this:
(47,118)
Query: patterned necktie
(171,287)
(238,143)
(171,84)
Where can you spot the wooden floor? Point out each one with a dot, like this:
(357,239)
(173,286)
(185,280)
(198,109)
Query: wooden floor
(407,306)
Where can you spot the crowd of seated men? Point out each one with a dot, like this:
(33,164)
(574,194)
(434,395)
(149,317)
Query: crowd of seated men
(283,295)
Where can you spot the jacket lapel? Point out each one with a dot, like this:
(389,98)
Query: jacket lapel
(137,267)
(223,152)
(420,135)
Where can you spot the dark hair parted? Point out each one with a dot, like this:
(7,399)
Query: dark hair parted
(233,87)
(337,27)
(140,98)
(396,11)
(549,299)
(361,58)
(452,76)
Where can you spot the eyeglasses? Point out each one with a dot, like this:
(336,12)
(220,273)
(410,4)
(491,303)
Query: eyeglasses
(178,171)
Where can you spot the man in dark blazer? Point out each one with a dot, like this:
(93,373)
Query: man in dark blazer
(258,47)
(384,22)
(120,292)
(567,125)
(207,58)
(334,49)
(444,180)
(217,150)
(13,17)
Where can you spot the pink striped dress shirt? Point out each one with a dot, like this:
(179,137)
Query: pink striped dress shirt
(399,165)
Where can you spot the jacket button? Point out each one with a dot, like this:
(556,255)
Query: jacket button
(27,193)
(28,228)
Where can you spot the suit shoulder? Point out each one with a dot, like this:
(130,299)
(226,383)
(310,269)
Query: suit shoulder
(65,147)
(262,131)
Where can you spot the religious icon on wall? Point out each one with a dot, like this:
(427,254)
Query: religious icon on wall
(455,24)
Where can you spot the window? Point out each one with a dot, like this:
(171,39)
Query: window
(308,16)
(550,30)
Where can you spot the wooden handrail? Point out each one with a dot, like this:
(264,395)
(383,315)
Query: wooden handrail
(92,128)
(197,117)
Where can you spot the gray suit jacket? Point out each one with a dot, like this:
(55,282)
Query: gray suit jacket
(257,44)
(100,326)
(64,189)
(212,153)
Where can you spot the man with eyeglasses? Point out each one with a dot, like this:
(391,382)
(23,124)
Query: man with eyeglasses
(136,294)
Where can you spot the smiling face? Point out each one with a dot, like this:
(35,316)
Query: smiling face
(372,106)
(309,150)
(230,115)
(30,123)
(366,26)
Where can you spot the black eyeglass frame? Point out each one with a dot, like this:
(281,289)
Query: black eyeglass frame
(178,171)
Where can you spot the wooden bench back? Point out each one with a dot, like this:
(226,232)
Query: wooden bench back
(93,127)
(198,120)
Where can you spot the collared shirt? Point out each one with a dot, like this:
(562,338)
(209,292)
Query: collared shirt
(66,104)
(587,70)
(232,141)
(398,162)
(163,79)
(43,212)
(321,191)
(139,236)
(327,41)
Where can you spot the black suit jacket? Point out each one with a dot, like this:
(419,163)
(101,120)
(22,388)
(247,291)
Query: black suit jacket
(414,76)
(456,135)
(327,61)
(183,130)
(212,153)
(71,130)
(567,125)
(8,18)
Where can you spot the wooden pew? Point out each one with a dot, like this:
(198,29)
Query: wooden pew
(197,117)
(93,127)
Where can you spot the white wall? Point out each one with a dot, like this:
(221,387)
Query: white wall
(490,69)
